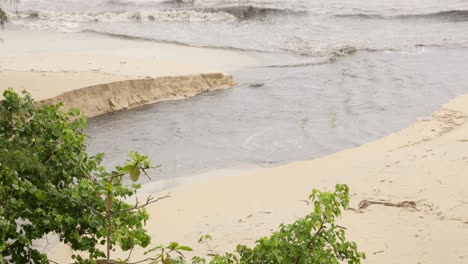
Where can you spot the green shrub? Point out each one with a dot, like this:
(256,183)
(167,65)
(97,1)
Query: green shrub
(49,184)
(313,239)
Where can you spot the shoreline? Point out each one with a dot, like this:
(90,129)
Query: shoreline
(76,60)
(423,164)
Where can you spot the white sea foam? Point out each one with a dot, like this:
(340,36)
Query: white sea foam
(303,47)
(74,21)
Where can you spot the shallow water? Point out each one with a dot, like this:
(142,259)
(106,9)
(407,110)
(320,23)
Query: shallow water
(297,112)
(339,74)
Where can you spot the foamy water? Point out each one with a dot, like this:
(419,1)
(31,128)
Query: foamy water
(340,74)
(303,27)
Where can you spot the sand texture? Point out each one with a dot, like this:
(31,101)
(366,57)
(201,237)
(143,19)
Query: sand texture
(104,98)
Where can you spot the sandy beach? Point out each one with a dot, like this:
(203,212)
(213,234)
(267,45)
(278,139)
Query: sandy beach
(409,200)
(71,61)
(408,204)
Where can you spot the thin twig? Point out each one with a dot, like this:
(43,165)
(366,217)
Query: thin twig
(129,254)
(47,243)
(144,260)
(149,200)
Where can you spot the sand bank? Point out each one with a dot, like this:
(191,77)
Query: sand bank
(104,98)
(55,62)
(425,165)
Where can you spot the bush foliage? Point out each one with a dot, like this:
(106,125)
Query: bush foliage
(50,185)
(313,239)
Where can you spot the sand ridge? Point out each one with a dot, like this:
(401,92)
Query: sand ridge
(104,98)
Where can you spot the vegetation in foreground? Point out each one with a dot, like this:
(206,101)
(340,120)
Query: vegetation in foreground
(50,185)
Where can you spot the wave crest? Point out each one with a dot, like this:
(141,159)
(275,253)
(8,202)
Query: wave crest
(73,21)
(157,15)
(450,16)
(303,47)
(250,12)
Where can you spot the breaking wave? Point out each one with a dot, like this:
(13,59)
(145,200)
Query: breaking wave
(303,47)
(249,12)
(128,16)
(143,3)
(70,22)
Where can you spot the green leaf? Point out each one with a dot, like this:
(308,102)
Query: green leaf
(135,174)
(128,168)
(185,248)
(40,195)
(173,245)
(108,202)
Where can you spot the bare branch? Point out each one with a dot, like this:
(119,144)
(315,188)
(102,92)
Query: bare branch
(149,200)
(47,243)
(129,255)
(143,261)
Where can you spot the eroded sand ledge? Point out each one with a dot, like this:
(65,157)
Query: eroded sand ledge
(104,98)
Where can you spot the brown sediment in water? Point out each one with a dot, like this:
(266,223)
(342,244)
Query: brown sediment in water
(105,98)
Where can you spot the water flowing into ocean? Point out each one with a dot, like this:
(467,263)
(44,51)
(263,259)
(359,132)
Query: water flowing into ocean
(339,74)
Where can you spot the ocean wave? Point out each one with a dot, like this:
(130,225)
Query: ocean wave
(299,64)
(145,3)
(450,16)
(127,16)
(250,12)
(72,21)
(453,45)
(303,47)
(362,16)
(131,37)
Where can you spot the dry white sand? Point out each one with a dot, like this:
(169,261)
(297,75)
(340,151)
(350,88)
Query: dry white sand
(426,163)
(50,63)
